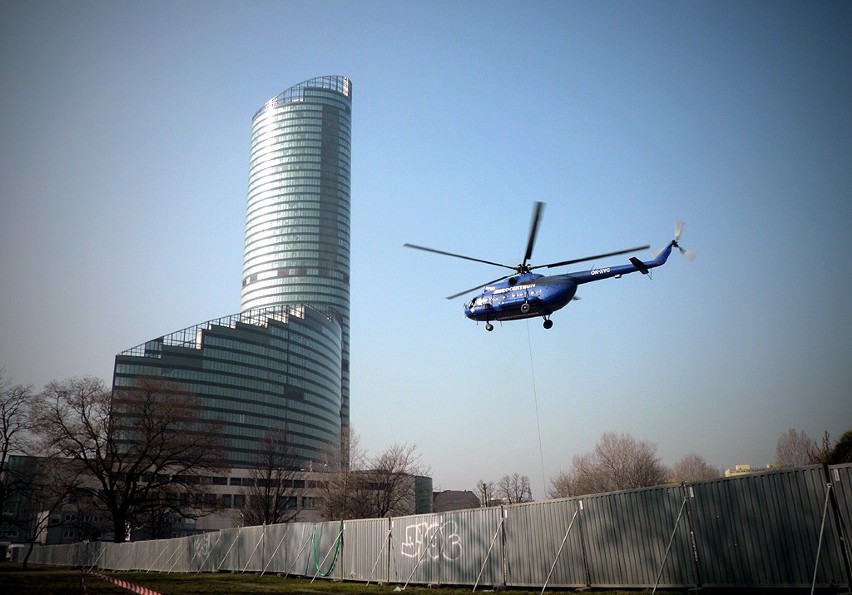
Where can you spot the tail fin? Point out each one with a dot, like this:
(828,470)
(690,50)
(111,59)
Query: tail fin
(640,266)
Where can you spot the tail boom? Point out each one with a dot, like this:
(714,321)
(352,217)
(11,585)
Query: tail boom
(617,271)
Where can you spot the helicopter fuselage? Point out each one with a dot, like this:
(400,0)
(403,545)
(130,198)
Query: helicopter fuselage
(530,295)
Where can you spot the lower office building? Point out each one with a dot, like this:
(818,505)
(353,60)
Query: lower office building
(275,368)
(225,496)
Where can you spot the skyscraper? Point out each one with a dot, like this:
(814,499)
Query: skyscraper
(298,212)
(282,362)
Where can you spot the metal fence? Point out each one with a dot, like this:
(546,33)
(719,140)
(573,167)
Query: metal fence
(779,528)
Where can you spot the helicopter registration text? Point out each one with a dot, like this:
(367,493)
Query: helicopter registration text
(514,288)
(599,271)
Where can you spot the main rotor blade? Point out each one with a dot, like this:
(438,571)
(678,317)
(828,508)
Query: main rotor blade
(461,293)
(425,249)
(595,257)
(533,230)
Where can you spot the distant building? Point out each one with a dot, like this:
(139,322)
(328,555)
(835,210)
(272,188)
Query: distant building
(79,518)
(740,470)
(454,500)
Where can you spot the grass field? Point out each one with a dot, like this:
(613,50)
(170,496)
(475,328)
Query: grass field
(41,580)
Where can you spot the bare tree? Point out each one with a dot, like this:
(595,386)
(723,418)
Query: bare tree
(15,403)
(390,480)
(822,453)
(143,448)
(341,481)
(618,462)
(562,486)
(794,449)
(514,488)
(486,491)
(693,467)
(370,487)
(271,497)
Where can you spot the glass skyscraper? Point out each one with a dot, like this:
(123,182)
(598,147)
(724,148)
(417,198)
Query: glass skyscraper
(298,213)
(282,362)
(275,367)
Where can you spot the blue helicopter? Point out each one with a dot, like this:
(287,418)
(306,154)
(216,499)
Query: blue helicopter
(524,294)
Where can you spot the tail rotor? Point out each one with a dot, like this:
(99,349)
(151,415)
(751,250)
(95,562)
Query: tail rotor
(690,256)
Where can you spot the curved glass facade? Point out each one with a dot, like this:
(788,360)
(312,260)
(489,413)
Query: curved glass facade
(268,367)
(298,212)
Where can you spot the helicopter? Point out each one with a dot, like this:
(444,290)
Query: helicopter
(525,294)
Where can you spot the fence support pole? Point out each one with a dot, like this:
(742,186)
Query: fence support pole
(669,546)
(103,549)
(419,560)
(561,545)
(821,530)
(286,530)
(488,553)
(174,555)
(157,559)
(218,539)
(233,543)
(257,545)
(385,542)
(299,555)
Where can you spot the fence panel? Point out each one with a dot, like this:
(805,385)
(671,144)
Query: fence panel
(446,548)
(763,530)
(205,552)
(540,536)
(297,551)
(365,550)
(326,550)
(228,550)
(275,549)
(627,535)
(841,479)
(249,549)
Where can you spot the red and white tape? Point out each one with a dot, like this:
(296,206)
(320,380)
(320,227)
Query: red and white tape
(123,584)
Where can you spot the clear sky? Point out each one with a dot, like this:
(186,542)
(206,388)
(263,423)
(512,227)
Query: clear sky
(124,139)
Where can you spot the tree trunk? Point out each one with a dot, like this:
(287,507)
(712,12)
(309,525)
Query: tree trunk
(119,527)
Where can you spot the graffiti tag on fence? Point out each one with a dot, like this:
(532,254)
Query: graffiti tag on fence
(433,540)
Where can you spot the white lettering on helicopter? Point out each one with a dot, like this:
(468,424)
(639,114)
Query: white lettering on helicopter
(599,271)
(515,288)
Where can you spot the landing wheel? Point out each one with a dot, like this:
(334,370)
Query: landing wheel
(489,327)
(548,323)
(525,308)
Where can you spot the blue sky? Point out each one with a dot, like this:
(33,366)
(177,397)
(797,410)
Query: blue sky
(124,142)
